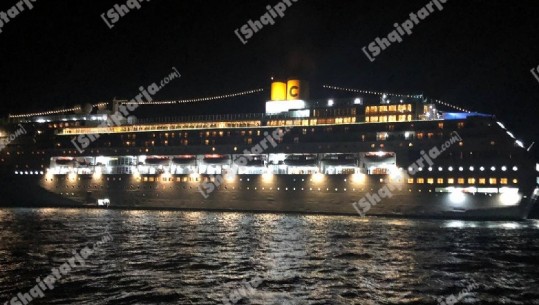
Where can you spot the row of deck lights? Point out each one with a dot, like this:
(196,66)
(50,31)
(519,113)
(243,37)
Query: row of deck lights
(430,169)
(384,95)
(370,92)
(461,169)
(204,99)
(29,172)
(193,100)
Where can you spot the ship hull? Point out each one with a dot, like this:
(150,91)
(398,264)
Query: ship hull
(337,195)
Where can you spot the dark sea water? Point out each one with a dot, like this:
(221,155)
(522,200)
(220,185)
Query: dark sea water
(200,258)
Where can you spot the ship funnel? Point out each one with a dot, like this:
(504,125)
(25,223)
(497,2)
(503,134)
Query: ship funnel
(292,90)
(297,90)
(278,91)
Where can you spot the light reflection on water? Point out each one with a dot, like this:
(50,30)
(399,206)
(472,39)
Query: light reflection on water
(163,257)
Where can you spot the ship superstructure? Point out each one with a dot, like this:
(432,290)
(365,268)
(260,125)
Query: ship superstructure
(301,155)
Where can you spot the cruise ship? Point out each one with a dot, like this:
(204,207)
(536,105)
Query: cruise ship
(372,153)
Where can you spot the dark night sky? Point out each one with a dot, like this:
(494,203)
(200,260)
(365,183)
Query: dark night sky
(476,53)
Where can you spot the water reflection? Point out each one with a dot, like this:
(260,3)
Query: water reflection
(198,257)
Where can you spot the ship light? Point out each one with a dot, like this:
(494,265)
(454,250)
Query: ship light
(97,173)
(318,177)
(72,176)
(461,169)
(440,168)
(49,174)
(519,143)
(357,101)
(493,168)
(395,173)
(450,168)
(472,168)
(458,224)
(358,178)
(501,125)
(511,134)
(509,196)
(331,103)
(430,169)
(103,202)
(482,168)
(267,177)
(457,196)
(504,168)
(165,177)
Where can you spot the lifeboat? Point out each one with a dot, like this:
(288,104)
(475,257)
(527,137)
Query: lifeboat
(216,159)
(340,160)
(379,156)
(301,160)
(255,161)
(184,159)
(65,161)
(157,160)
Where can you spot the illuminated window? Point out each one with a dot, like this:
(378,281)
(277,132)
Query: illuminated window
(152,179)
(461,125)
(392,118)
(410,180)
(145,179)
(460,180)
(381,136)
(493,181)
(420,180)
(471,180)
(440,180)
(450,181)
(382,109)
(503,180)
(441,125)
(392,108)
(430,181)
(402,118)
(482,181)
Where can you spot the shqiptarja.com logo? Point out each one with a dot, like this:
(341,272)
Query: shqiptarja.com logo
(535,73)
